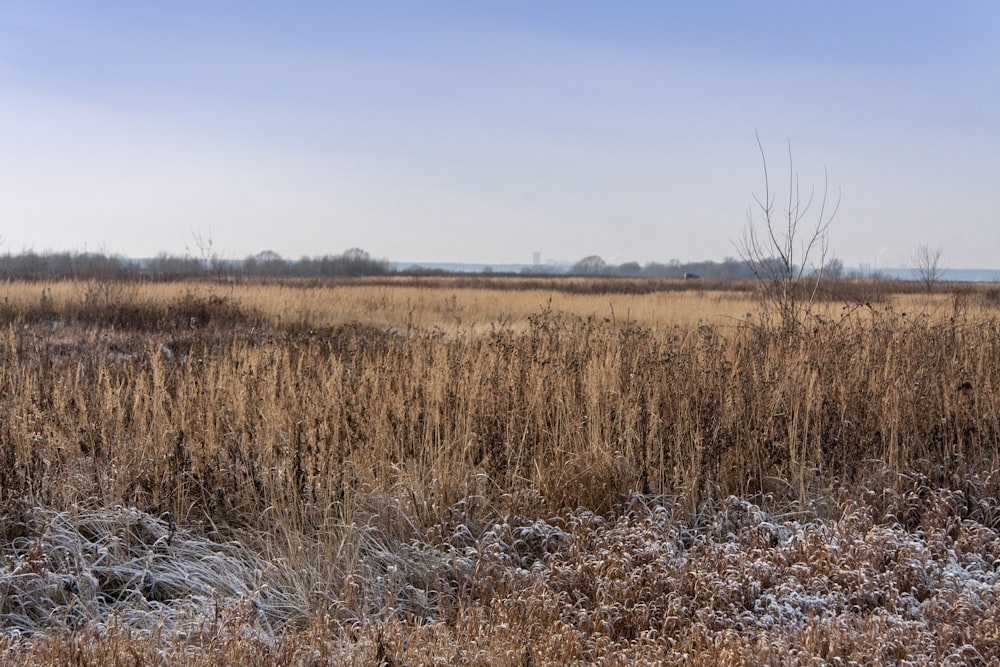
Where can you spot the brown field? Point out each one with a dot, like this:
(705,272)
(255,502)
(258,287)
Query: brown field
(497,471)
(471,304)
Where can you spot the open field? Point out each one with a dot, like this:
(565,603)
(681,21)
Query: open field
(497,471)
(467,303)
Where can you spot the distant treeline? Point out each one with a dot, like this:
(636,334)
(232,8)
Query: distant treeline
(31,265)
(728,269)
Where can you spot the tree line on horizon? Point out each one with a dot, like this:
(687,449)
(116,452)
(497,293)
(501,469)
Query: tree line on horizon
(267,264)
(354,262)
(729,268)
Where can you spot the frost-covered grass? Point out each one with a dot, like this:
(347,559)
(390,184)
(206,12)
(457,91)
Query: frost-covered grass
(749,587)
(733,585)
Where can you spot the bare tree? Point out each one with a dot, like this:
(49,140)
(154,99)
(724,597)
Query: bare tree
(589,265)
(783,250)
(927,265)
(206,255)
(833,269)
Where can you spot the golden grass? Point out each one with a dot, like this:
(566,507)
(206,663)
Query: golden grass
(489,475)
(480,304)
(383,304)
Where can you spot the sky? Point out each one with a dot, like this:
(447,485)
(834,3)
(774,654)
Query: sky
(447,131)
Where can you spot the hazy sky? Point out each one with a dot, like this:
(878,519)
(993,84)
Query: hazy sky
(484,131)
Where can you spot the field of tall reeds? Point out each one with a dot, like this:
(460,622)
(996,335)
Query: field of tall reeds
(496,472)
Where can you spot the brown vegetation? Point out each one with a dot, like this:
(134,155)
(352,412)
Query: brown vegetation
(382,473)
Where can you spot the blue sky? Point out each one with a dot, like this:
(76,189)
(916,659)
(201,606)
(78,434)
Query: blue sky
(485,131)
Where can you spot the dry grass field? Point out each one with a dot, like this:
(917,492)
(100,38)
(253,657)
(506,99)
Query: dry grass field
(497,471)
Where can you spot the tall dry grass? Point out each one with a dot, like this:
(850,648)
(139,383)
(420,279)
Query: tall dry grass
(475,304)
(367,468)
(228,422)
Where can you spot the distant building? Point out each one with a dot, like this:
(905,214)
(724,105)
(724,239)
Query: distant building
(536,258)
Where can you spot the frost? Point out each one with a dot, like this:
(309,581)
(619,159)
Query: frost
(742,570)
